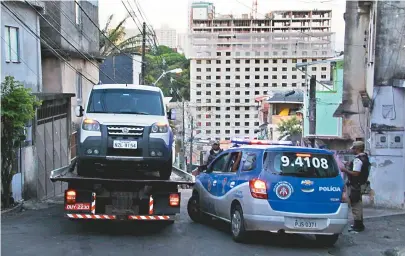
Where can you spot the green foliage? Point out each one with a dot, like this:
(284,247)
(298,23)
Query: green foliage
(116,36)
(289,127)
(164,59)
(17,108)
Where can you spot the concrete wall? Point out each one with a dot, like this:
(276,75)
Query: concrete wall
(60,77)
(327,103)
(357,18)
(390,41)
(28,70)
(387,176)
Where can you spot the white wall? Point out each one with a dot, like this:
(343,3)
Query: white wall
(387,176)
(136,68)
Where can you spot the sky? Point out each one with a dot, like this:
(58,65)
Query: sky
(174,13)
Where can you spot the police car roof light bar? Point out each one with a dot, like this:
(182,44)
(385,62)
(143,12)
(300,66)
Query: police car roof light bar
(261,142)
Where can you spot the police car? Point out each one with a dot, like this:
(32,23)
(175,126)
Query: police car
(273,186)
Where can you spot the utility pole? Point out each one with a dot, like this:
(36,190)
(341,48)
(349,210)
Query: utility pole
(143,66)
(191,145)
(183,142)
(312,109)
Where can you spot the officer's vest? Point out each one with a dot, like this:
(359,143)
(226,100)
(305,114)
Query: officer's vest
(365,170)
(212,155)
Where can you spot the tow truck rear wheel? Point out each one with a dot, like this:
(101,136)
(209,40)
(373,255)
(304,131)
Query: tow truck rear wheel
(327,240)
(238,224)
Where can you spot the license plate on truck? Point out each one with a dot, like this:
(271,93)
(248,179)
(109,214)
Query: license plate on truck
(78,206)
(125,144)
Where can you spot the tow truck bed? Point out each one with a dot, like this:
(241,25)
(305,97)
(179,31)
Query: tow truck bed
(146,198)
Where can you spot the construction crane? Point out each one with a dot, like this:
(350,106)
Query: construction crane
(254,9)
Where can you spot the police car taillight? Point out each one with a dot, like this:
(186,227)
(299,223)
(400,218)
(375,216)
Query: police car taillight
(258,188)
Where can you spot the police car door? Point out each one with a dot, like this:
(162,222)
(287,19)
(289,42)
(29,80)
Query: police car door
(210,193)
(226,181)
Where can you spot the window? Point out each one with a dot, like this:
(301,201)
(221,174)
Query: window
(217,85)
(284,77)
(198,93)
(284,69)
(257,77)
(249,161)
(284,61)
(228,93)
(122,101)
(12,44)
(198,61)
(227,85)
(208,85)
(266,61)
(208,61)
(208,77)
(294,76)
(220,163)
(218,61)
(323,68)
(237,116)
(218,54)
(247,124)
(284,84)
(237,69)
(323,76)
(218,69)
(217,93)
(237,123)
(218,77)
(291,164)
(198,69)
(228,70)
(227,77)
(247,100)
(257,69)
(217,116)
(266,69)
(274,69)
(246,115)
(237,93)
(208,124)
(247,61)
(257,84)
(266,77)
(247,108)
(208,93)
(247,92)
(246,131)
(218,124)
(237,131)
(237,61)
(247,85)
(228,61)
(294,84)
(274,76)
(198,85)
(247,69)
(275,61)
(77,13)
(228,53)
(237,100)
(227,116)
(218,108)
(79,90)
(274,84)
(313,68)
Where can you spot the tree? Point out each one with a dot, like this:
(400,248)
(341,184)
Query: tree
(163,59)
(289,127)
(113,41)
(18,108)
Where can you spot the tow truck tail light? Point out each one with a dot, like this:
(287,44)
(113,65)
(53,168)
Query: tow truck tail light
(70,196)
(344,198)
(174,200)
(258,188)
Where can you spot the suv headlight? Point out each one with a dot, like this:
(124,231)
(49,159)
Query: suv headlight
(159,128)
(90,125)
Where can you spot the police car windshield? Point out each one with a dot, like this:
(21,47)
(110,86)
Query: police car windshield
(300,164)
(126,101)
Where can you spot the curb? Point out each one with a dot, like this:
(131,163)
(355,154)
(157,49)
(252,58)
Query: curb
(384,215)
(16,208)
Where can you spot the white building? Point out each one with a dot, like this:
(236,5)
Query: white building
(166,36)
(235,59)
(183,45)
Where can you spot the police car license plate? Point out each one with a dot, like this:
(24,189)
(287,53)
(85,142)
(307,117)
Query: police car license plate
(305,223)
(125,144)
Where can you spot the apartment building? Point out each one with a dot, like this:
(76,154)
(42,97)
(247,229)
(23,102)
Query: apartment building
(235,59)
(166,36)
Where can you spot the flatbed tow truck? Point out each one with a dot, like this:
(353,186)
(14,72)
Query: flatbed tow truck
(140,199)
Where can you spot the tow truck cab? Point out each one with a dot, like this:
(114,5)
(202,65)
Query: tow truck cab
(125,128)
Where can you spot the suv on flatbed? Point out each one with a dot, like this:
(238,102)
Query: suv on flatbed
(125,128)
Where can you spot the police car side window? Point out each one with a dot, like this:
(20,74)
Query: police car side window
(219,164)
(249,160)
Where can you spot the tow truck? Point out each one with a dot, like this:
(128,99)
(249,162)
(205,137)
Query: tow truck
(140,199)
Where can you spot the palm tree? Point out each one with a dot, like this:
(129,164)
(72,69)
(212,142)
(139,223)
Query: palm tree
(113,41)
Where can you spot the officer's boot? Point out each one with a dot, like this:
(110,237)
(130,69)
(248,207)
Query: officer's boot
(358,226)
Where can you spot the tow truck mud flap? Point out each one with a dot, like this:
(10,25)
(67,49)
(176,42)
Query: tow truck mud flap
(121,217)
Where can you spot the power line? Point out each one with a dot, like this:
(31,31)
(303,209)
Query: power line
(69,42)
(28,28)
(108,39)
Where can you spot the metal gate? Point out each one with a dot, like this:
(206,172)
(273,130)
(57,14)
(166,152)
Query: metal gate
(52,144)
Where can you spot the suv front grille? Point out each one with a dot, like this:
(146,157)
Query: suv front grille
(122,130)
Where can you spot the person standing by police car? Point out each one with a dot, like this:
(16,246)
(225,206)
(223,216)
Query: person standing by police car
(357,172)
(213,153)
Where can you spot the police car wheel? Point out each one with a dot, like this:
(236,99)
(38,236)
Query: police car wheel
(327,240)
(193,209)
(238,224)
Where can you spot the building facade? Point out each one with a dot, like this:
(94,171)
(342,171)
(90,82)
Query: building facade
(21,50)
(235,59)
(70,53)
(166,36)
(121,69)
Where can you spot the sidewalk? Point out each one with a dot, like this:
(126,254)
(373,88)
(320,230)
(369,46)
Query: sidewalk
(372,212)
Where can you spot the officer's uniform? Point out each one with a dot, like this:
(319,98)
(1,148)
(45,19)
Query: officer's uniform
(357,186)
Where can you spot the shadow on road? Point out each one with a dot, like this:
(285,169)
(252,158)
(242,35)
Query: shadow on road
(119,228)
(267,238)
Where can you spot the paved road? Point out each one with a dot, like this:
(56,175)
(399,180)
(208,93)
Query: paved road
(46,232)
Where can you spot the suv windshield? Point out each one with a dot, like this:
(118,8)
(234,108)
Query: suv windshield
(300,164)
(126,101)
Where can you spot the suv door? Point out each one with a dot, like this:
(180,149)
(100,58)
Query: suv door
(210,182)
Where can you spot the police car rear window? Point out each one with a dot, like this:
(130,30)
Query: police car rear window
(300,164)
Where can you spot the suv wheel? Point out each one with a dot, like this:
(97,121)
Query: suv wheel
(166,170)
(238,224)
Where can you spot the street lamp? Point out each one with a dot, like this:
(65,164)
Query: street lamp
(173,71)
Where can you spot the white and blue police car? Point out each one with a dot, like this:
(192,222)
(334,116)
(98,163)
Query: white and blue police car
(275,187)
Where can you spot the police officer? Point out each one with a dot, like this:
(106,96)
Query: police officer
(357,174)
(213,153)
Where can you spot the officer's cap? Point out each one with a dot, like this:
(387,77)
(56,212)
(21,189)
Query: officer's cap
(357,144)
